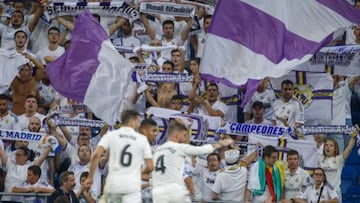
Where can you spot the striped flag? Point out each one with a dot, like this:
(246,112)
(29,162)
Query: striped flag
(252,39)
(92,71)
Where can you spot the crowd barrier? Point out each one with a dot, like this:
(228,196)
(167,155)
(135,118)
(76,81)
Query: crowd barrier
(42,195)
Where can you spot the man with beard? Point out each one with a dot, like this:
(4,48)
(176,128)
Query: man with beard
(8,120)
(288,111)
(67,184)
(210,104)
(125,37)
(53,51)
(31,106)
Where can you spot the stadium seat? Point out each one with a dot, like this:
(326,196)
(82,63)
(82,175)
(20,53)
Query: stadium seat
(354,158)
(348,178)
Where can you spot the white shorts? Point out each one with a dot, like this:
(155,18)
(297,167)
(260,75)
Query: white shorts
(123,198)
(170,193)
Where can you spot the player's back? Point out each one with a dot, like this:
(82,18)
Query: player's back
(128,149)
(169,163)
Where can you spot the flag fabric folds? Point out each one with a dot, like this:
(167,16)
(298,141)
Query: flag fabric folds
(92,71)
(252,39)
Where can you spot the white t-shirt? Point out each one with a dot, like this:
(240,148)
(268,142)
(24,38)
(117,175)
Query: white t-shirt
(16,175)
(333,167)
(128,149)
(24,121)
(230,184)
(47,52)
(127,42)
(296,183)
(208,178)
(78,169)
(169,161)
(341,103)
(9,121)
(7,35)
(267,98)
(218,105)
(312,195)
(293,110)
(40,184)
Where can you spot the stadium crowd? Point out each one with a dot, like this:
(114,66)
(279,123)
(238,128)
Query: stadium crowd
(96,165)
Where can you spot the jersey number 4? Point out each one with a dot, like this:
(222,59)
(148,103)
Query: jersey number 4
(160,164)
(126,157)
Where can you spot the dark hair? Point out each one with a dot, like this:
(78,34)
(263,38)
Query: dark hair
(36,170)
(293,152)
(207,17)
(196,59)
(214,154)
(20,31)
(213,84)
(147,123)
(268,150)
(97,16)
(67,42)
(128,115)
(82,134)
(175,50)
(170,63)
(84,174)
(17,11)
(64,176)
(323,172)
(258,104)
(135,58)
(32,97)
(169,22)
(54,28)
(28,152)
(287,82)
(176,97)
(82,146)
(4,97)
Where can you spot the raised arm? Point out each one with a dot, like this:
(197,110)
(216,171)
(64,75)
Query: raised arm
(42,156)
(186,30)
(3,157)
(117,25)
(151,31)
(351,144)
(150,98)
(93,165)
(66,23)
(36,18)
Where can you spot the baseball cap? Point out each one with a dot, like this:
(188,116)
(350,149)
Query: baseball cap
(232,156)
(258,104)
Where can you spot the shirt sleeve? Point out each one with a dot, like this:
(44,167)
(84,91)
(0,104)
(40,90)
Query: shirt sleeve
(217,185)
(196,150)
(147,150)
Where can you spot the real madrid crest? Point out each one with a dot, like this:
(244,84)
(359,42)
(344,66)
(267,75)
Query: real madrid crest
(304,93)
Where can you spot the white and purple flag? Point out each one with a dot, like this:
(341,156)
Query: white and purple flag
(92,71)
(252,39)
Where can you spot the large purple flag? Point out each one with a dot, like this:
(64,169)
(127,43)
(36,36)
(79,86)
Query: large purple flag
(252,39)
(92,71)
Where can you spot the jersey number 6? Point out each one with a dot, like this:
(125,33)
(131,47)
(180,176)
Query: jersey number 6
(125,158)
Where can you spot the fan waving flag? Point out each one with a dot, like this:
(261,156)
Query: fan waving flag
(252,39)
(92,71)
